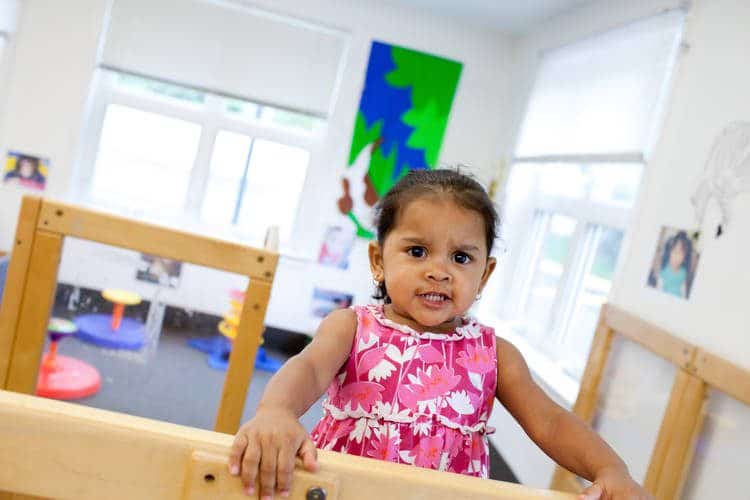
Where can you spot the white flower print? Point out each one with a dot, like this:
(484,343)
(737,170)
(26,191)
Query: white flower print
(396,355)
(422,428)
(443,462)
(476,380)
(362,345)
(361,430)
(406,457)
(461,403)
(381,371)
(413,379)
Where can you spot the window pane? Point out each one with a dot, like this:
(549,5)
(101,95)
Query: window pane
(274,183)
(144,161)
(547,277)
(228,162)
(593,292)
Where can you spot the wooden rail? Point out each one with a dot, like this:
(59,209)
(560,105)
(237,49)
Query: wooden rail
(59,450)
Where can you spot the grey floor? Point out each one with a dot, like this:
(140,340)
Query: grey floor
(169,381)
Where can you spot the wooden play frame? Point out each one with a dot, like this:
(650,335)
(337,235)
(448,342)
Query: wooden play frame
(53,449)
(697,371)
(32,278)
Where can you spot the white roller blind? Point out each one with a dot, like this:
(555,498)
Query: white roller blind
(601,95)
(228,49)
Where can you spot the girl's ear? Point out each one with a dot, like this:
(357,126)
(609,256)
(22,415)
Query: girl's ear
(376,261)
(491,263)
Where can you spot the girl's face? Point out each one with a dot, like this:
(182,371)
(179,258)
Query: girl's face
(677,255)
(434,263)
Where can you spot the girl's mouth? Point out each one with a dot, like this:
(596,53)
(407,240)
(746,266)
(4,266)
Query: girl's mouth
(434,298)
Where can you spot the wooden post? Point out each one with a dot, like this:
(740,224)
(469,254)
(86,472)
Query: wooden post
(37,303)
(242,358)
(16,281)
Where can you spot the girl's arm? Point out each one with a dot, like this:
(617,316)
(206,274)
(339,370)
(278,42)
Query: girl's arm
(559,433)
(273,438)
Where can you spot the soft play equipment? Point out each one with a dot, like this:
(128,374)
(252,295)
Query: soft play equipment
(219,347)
(3,273)
(113,331)
(63,377)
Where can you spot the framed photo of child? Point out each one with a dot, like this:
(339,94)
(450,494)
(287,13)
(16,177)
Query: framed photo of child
(26,170)
(675,262)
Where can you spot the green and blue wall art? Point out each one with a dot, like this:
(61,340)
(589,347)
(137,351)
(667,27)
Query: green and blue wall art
(402,116)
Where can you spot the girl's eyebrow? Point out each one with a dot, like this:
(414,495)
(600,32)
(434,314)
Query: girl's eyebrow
(468,248)
(415,240)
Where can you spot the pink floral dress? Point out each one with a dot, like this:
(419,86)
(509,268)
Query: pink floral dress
(413,398)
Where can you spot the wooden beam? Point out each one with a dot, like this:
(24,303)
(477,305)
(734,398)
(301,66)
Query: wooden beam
(655,339)
(242,357)
(37,303)
(148,238)
(723,375)
(60,450)
(15,283)
(685,427)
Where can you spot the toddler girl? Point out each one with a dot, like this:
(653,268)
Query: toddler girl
(413,380)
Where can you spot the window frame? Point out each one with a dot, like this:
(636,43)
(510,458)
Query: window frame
(212,117)
(590,216)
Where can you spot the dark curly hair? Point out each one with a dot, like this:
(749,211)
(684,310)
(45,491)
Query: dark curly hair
(462,188)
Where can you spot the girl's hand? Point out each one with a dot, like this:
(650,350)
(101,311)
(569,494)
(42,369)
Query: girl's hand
(270,442)
(614,484)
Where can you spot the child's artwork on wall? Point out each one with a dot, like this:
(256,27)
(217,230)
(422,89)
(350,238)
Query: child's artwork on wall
(26,170)
(159,270)
(726,174)
(326,301)
(402,116)
(336,247)
(675,262)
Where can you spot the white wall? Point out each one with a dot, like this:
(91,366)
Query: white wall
(56,47)
(709,90)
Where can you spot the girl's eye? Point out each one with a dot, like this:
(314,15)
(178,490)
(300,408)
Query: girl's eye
(461,258)
(417,252)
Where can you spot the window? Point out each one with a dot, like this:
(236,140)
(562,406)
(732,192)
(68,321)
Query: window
(581,152)
(197,160)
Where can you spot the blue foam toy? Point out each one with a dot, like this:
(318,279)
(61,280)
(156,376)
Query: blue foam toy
(4,262)
(219,347)
(97,329)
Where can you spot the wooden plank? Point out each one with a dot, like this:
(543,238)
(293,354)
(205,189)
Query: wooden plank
(685,429)
(723,375)
(148,238)
(242,357)
(208,477)
(35,311)
(16,281)
(665,435)
(76,452)
(655,339)
(588,394)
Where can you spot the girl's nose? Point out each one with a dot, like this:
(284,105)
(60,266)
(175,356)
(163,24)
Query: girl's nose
(436,273)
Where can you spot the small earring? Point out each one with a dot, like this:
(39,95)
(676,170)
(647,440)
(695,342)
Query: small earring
(479,296)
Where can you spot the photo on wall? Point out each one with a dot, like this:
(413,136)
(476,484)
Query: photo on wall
(336,247)
(26,170)
(675,262)
(159,271)
(326,301)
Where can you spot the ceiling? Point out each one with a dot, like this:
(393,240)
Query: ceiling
(513,17)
